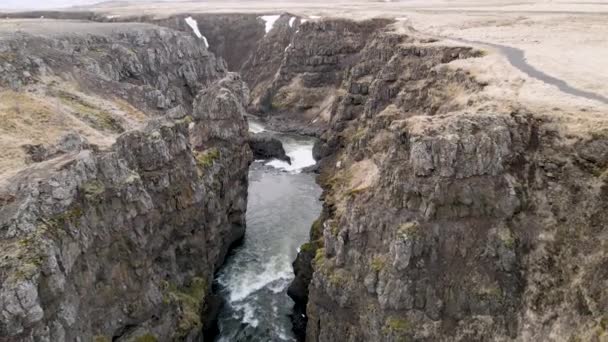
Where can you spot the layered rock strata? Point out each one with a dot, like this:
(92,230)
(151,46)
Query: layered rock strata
(447,216)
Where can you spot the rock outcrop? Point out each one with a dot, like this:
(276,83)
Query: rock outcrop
(153,68)
(121,242)
(447,216)
(265,146)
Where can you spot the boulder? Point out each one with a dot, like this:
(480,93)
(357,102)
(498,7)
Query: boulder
(265,146)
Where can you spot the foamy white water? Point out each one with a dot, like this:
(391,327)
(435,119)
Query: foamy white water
(300,153)
(255,127)
(241,285)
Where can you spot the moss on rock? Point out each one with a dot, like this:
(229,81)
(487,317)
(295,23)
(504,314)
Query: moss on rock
(190,300)
(206,158)
(398,327)
(409,230)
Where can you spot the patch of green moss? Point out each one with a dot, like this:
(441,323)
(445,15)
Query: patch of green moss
(27,253)
(93,189)
(507,238)
(334,228)
(409,230)
(206,158)
(320,257)
(101,338)
(28,267)
(378,263)
(68,216)
(308,247)
(604,322)
(396,326)
(491,292)
(187,120)
(316,230)
(146,338)
(339,278)
(190,300)
(339,180)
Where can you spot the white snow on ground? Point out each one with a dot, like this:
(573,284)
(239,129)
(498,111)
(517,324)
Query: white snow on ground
(194,26)
(291,21)
(270,19)
(288,46)
(303,21)
(315,17)
(112,16)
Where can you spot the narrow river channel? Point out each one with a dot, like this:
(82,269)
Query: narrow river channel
(283,203)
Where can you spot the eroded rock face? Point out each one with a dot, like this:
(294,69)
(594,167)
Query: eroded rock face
(103,244)
(151,67)
(445,219)
(121,242)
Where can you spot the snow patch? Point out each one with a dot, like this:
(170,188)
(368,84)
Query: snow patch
(270,20)
(288,46)
(291,21)
(194,26)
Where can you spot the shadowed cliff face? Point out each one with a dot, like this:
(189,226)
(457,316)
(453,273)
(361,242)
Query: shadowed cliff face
(121,242)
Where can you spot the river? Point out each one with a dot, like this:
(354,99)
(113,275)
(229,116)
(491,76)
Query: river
(283,202)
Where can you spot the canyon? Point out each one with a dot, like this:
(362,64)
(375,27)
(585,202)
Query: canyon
(452,210)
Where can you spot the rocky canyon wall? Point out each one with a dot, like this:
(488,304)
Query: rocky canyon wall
(449,215)
(119,241)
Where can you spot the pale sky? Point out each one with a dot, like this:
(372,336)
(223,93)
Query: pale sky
(44,4)
(17,4)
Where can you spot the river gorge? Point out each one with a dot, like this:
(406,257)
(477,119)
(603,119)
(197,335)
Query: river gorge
(280,177)
(282,204)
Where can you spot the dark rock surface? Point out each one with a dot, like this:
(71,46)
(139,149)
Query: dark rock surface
(153,68)
(444,219)
(265,146)
(121,243)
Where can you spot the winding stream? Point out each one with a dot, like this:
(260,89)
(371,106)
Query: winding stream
(282,204)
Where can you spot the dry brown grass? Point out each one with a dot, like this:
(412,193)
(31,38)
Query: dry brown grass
(35,116)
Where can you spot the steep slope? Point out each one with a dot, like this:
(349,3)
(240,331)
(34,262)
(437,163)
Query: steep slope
(119,241)
(97,80)
(448,215)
